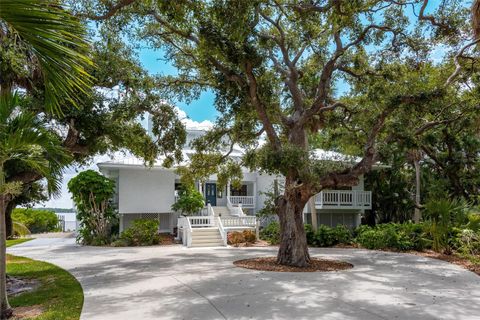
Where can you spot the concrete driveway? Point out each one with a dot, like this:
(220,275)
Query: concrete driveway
(178,283)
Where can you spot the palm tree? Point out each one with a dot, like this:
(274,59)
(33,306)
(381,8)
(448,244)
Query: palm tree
(54,40)
(25,140)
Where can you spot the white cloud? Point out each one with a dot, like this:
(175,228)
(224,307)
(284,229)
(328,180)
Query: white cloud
(192,124)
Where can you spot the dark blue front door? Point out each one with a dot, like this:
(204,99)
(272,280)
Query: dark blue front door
(211,193)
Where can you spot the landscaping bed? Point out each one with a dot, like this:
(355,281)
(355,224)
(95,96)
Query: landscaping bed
(270,264)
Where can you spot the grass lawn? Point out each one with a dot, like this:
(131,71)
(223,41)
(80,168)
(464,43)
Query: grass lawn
(13,242)
(60,296)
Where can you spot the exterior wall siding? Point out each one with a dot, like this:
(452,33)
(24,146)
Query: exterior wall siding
(146,191)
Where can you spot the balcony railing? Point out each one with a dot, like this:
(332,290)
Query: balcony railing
(246,201)
(343,199)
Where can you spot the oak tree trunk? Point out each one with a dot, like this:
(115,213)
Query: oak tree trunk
(293,249)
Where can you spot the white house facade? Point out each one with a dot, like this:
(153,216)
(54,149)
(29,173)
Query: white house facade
(144,192)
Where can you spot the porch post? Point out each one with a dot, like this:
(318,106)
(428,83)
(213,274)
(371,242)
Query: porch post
(254,195)
(228,190)
(313,212)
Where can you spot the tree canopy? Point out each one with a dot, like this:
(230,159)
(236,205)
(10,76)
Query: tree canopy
(287,72)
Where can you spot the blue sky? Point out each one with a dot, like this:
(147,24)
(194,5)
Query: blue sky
(199,110)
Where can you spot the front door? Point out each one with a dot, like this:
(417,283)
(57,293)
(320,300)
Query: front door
(211,193)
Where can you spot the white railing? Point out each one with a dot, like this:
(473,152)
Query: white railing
(184,230)
(232,222)
(245,201)
(223,232)
(201,221)
(344,199)
(235,211)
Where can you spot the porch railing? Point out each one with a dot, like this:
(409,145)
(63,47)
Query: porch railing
(344,199)
(246,221)
(245,201)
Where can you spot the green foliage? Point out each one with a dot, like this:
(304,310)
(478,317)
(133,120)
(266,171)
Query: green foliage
(57,40)
(36,220)
(143,232)
(441,215)
(190,201)
(92,194)
(326,236)
(406,236)
(271,233)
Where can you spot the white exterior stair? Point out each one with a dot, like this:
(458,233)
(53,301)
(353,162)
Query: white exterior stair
(223,211)
(206,237)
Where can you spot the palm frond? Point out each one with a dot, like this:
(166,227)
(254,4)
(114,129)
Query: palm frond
(57,39)
(20,229)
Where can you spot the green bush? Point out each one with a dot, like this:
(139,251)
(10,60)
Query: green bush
(190,201)
(92,194)
(143,232)
(37,221)
(323,237)
(326,236)
(271,233)
(398,236)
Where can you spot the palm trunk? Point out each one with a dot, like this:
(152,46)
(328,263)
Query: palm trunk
(5,309)
(293,249)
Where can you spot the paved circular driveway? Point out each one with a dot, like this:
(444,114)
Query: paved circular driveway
(178,283)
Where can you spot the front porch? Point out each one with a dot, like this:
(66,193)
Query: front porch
(343,199)
(243,197)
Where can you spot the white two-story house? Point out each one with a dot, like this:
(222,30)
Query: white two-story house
(150,192)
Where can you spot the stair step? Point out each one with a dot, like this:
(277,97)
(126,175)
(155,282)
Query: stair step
(206,240)
(203,245)
(207,236)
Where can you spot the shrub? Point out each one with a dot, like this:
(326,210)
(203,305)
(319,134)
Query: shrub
(326,236)
(235,238)
(249,236)
(444,214)
(406,236)
(271,233)
(189,202)
(37,221)
(92,194)
(143,232)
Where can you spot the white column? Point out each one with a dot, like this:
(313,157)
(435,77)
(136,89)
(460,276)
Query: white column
(254,194)
(228,189)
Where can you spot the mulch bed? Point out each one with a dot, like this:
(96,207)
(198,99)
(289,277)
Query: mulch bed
(270,264)
(166,239)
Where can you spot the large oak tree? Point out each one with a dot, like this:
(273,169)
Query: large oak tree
(276,68)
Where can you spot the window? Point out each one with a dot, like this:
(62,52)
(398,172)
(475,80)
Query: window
(242,192)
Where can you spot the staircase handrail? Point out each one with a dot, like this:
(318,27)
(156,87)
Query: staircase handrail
(223,233)
(235,211)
